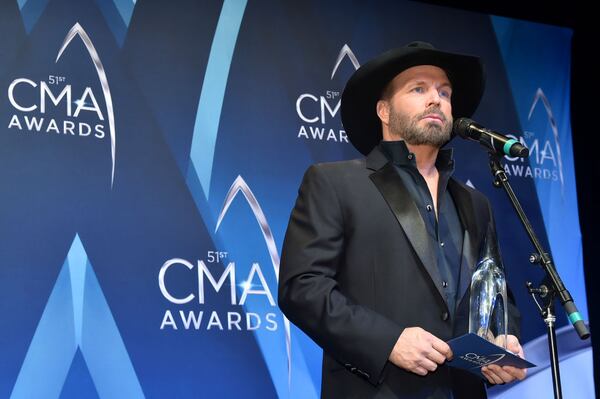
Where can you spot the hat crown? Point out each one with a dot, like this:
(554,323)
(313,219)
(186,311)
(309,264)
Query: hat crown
(419,44)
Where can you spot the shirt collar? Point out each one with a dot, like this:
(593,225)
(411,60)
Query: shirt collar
(397,152)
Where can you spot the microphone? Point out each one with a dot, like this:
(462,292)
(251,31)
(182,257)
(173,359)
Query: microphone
(469,129)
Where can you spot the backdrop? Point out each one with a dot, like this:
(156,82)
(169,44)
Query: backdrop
(150,154)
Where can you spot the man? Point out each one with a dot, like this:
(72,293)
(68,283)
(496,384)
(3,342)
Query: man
(379,252)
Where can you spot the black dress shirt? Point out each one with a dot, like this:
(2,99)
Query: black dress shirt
(445,231)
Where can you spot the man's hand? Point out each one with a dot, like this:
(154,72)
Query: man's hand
(501,375)
(419,351)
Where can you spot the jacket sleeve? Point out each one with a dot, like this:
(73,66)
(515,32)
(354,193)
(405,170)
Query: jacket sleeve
(309,295)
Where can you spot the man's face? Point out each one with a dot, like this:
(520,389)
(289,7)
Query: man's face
(416,107)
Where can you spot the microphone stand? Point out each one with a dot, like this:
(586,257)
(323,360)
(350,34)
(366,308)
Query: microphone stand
(551,286)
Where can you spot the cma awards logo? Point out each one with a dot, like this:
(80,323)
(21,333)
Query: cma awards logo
(545,158)
(317,111)
(217,274)
(482,360)
(56,106)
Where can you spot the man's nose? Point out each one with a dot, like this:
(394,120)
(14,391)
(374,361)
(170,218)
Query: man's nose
(433,97)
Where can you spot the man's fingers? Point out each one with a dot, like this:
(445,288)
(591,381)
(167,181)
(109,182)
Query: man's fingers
(499,372)
(514,346)
(435,356)
(428,364)
(419,351)
(442,348)
(504,376)
(492,376)
(487,375)
(515,372)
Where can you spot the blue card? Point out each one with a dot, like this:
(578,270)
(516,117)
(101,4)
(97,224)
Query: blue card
(471,353)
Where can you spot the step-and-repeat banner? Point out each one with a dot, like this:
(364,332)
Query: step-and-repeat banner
(150,154)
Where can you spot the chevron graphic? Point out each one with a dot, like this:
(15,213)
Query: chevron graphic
(539,95)
(77,30)
(76,317)
(345,52)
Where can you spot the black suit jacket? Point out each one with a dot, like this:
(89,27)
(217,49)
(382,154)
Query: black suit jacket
(357,268)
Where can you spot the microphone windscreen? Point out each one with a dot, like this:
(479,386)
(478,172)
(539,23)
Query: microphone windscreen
(461,127)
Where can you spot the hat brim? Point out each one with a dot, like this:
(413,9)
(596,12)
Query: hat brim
(364,88)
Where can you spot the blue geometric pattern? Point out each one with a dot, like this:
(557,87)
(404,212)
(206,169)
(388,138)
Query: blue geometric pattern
(125,8)
(199,178)
(210,104)
(77,317)
(544,111)
(31,10)
(205,93)
(117,13)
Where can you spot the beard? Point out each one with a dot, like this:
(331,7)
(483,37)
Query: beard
(406,127)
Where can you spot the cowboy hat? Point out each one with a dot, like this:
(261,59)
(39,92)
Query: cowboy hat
(365,86)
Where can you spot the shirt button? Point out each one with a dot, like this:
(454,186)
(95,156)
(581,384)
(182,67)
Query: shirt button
(429,208)
(444,284)
(445,316)
(442,244)
(410,156)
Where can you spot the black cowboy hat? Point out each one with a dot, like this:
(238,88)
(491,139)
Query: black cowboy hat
(365,86)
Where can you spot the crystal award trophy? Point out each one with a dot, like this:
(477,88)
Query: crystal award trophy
(488,313)
(486,342)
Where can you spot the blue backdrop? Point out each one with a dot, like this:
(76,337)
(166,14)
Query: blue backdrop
(150,154)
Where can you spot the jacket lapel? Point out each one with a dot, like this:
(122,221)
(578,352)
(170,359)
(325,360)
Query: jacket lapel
(398,198)
(466,212)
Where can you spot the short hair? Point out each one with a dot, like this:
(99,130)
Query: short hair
(386,92)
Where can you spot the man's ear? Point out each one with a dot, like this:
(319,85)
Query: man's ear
(383,111)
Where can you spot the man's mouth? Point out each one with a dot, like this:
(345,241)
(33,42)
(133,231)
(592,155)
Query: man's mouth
(434,117)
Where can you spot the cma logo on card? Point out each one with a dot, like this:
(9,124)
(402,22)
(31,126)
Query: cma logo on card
(319,111)
(58,105)
(482,360)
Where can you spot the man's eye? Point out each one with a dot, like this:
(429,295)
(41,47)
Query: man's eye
(445,93)
(419,90)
